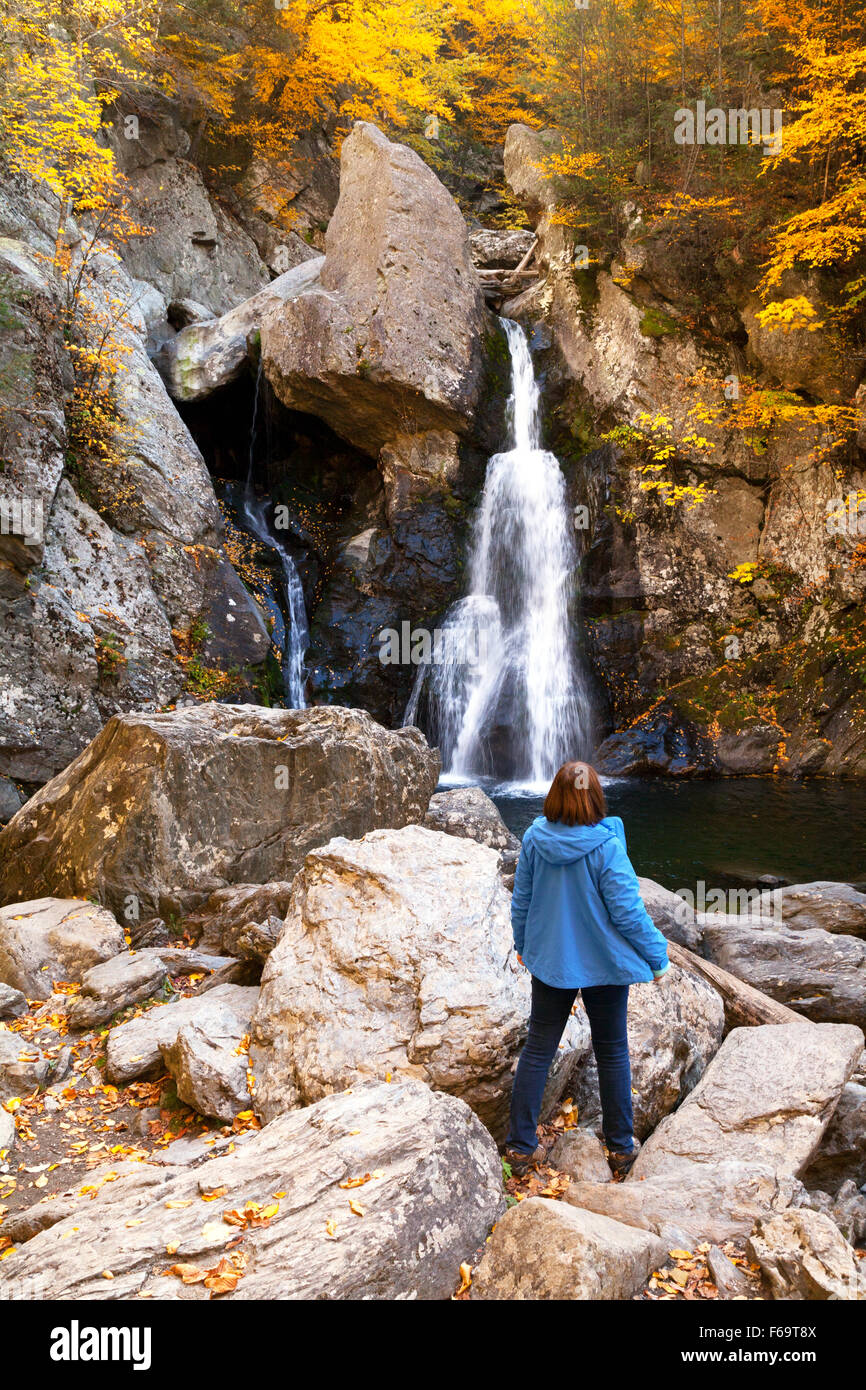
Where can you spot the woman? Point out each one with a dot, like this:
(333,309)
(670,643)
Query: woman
(579,924)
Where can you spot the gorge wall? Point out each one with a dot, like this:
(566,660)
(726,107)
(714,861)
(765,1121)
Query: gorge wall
(725,634)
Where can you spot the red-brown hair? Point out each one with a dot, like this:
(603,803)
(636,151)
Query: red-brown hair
(576,796)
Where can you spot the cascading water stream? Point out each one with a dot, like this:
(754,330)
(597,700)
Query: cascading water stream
(294,638)
(505,691)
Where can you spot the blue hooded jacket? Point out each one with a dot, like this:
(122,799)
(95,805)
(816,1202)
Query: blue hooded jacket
(577,914)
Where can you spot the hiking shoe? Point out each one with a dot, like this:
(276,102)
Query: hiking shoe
(620,1163)
(521,1163)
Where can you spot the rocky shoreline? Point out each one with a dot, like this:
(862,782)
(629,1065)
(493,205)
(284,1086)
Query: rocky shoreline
(336,1013)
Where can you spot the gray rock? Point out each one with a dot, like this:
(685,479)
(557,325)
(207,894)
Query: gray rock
(11,800)
(23,1069)
(134,1048)
(847,1208)
(12,1002)
(494,248)
(197,250)
(818,973)
(205,357)
(395,327)
(469,812)
(580,1154)
(717,1202)
(730,1281)
(226,923)
(52,939)
(130,816)
(89,604)
(396,957)
(434,1192)
(835,907)
(674,1031)
(205,1061)
(544,1250)
(108,988)
(803,1256)
(765,1100)
(842,1155)
(672,915)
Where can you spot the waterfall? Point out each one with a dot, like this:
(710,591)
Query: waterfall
(291,636)
(505,692)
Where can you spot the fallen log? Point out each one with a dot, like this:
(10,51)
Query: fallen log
(745,1007)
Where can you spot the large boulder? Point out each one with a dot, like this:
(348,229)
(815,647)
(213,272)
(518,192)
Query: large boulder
(163,809)
(394,328)
(204,357)
(674,1030)
(52,939)
(805,354)
(544,1250)
(835,907)
(433,1192)
(136,1048)
(817,973)
(396,959)
(766,1098)
(803,1256)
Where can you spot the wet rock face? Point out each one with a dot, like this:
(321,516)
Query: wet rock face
(162,810)
(410,930)
(662,743)
(394,331)
(400,559)
(435,1192)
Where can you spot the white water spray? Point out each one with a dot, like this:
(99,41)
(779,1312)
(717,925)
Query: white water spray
(521,708)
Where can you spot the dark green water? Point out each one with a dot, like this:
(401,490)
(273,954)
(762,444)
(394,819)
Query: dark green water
(730,832)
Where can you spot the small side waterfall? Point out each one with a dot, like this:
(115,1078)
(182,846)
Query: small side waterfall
(505,692)
(291,634)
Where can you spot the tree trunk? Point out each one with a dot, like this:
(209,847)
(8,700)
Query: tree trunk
(744,1006)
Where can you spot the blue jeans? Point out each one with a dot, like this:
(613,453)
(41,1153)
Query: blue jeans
(607,1008)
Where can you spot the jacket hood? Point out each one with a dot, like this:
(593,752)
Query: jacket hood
(565,844)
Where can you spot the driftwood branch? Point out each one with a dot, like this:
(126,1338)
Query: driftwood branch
(744,1005)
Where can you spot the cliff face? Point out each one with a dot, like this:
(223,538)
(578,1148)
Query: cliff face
(723,620)
(727,627)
